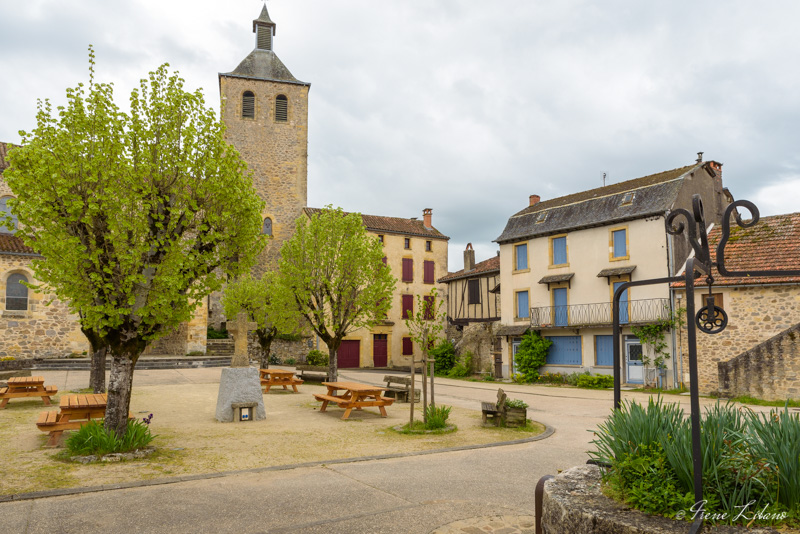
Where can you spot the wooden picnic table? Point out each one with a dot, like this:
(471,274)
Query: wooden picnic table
(278,377)
(74,412)
(26,386)
(355,396)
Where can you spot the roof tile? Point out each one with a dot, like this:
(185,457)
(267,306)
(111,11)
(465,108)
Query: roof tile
(395,225)
(486,266)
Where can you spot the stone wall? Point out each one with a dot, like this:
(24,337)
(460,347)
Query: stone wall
(46,329)
(755,314)
(282,348)
(476,338)
(769,371)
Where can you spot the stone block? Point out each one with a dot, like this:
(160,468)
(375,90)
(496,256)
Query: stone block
(239,385)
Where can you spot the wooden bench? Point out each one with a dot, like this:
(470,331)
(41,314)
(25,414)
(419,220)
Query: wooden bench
(400,393)
(51,421)
(312,373)
(495,412)
(30,386)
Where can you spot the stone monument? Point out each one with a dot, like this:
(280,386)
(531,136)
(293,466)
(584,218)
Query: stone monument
(239,384)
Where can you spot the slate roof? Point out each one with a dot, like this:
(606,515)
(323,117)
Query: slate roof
(393,225)
(492,265)
(11,244)
(617,271)
(654,195)
(263,65)
(556,278)
(263,17)
(772,244)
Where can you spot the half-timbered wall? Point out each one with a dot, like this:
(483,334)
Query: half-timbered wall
(462,309)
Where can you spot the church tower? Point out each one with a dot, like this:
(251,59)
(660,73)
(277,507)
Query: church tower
(265,110)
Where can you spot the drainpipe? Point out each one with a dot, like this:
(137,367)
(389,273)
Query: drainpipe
(670,257)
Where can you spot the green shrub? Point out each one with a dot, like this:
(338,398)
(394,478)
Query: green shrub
(775,437)
(531,355)
(595,382)
(437,416)
(445,355)
(93,438)
(317,357)
(211,333)
(290,361)
(274,360)
(463,367)
(516,403)
(572,378)
(289,337)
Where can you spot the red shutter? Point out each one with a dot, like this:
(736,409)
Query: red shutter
(408,270)
(428,268)
(408,346)
(429,304)
(384,260)
(408,306)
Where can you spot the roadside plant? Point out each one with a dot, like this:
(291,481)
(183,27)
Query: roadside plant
(445,355)
(463,366)
(531,356)
(595,381)
(437,416)
(94,439)
(516,403)
(317,357)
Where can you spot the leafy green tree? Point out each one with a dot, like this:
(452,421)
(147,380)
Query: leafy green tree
(332,273)
(531,355)
(138,215)
(254,297)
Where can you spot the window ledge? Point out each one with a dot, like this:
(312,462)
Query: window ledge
(558,266)
(621,258)
(18,314)
(519,271)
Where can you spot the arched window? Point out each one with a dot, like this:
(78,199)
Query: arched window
(267,228)
(16,292)
(248,105)
(5,209)
(281,108)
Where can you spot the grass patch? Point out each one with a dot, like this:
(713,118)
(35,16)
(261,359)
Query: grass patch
(82,391)
(659,391)
(745,399)
(419,428)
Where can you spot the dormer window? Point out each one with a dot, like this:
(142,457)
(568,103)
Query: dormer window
(281,108)
(248,105)
(627,198)
(542,217)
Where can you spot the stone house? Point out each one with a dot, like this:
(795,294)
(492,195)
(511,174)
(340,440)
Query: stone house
(562,259)
(757,353)
(473,311)
(416,252)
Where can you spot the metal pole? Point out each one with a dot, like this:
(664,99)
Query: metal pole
(697,454)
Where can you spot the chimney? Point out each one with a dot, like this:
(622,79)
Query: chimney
(427,214)
(469,258)
(699,157)
(534,199)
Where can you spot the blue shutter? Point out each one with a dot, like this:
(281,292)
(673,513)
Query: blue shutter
(620,245)
(604,350)
(559,250)
(522,257)
(623,304)
(560,310)
(522,305)
(565,350)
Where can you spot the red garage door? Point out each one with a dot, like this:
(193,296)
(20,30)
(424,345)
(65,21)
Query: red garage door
(349,354)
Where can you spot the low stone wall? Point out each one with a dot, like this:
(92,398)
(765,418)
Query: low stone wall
(282,348)
(770,370)
(573,502)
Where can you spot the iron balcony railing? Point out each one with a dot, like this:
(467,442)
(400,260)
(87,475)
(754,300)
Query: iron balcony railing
(599,314)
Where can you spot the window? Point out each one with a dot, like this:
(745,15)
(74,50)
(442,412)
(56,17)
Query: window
(523,311)
(628,199)
(542,217)
(429,302)
(281,108)
(380,238)
(619,244)
(407,242)
(558,250)
(5,209)
(473,291)
(248,105)
(16,292)
(521,257)
(408,346)
(428,246)
(266,229)
(428,267)
(408,270)
(408,306)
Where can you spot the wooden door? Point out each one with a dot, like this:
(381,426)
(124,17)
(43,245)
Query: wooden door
(380,350)
(349,355)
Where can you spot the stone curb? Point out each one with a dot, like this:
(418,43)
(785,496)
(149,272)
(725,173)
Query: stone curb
(548,431)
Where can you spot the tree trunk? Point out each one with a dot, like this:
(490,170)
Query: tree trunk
(432,373)
(333,368)
(119,392)
(425,377)
(265,338)
(413,394)
(97,375)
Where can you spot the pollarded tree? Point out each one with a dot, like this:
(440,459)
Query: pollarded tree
(138,215)
(332,273)
(255,297)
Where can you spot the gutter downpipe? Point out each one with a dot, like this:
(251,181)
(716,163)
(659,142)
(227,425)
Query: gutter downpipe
(675,353)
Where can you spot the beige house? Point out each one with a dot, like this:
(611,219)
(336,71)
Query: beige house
(562,259)
(757,354)
(416,252)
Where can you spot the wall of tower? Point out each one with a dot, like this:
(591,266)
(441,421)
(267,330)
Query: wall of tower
(276,153)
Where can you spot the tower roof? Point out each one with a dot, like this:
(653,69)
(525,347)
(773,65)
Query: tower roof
(264,19)
(263,65)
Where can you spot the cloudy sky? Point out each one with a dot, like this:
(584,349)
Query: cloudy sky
(464,106)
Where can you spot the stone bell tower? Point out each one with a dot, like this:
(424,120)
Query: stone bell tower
(265,110)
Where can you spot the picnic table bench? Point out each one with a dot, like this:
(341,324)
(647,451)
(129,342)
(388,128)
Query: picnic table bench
(400,393)
(317,373)
(74,412)
(497,412)
(355,396)
(278,377)
(26,386)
